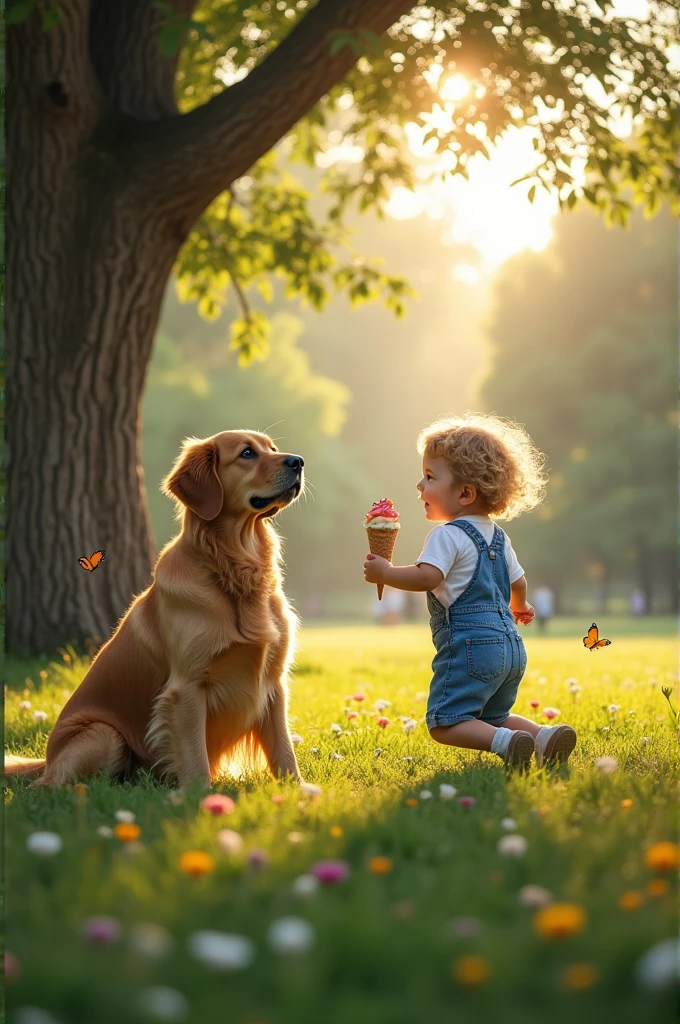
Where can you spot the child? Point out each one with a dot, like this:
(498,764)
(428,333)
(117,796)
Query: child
(476,469)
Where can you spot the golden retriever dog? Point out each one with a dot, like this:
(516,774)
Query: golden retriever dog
(197,668)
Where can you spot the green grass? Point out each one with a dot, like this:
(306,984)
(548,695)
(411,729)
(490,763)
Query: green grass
(384,946)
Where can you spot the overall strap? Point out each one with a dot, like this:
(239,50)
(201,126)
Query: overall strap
(472,532)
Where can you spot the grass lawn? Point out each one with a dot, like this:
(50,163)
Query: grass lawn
(401,940)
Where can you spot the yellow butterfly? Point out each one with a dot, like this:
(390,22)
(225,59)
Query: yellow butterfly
(93,561)
(591,641)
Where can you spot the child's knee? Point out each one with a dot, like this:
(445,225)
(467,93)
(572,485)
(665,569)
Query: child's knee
(437,732)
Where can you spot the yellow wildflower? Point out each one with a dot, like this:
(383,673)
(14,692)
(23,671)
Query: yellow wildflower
(662,856)
(196,863)
(127,832)
(559,920)
(380,865)
(335,831)
(578,977)
(470,970)
(657,887)
(631,900)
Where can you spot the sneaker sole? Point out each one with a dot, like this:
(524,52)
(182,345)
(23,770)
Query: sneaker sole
(520,751)
(559,746)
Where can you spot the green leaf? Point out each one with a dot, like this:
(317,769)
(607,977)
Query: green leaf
(18,10)
(371,42)
(52,15)
(341,39)
(170,38)
(531,194)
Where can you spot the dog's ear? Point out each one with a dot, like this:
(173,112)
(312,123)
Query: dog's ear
(194,480)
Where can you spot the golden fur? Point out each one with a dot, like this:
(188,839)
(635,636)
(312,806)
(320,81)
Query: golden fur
(197,667)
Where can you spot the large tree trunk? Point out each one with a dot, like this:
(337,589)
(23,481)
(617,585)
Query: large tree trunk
(88,260)
(105,182)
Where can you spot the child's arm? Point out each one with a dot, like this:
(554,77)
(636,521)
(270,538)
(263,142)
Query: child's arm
(521,610)
(419,577)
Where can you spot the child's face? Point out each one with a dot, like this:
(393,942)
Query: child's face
(437,490)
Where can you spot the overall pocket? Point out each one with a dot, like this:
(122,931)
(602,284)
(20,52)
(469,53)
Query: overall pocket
(486,658)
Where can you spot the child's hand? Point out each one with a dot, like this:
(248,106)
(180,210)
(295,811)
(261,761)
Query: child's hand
(523,613)
(375,569)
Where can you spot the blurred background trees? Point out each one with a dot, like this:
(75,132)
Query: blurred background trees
(576,341)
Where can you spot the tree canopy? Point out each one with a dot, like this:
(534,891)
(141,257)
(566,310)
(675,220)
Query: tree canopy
(562,67)
(583,352)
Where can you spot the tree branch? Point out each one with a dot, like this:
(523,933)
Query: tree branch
(201,153)
(136,78)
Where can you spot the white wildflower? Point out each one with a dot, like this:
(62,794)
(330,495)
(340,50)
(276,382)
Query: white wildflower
(33,1015)
(44,844)
(425,794)
(291,935)
(613,708)
(296,738)
(125,817)
(447,792)
(229,841)
(160,1002)
(380,705)
(305,885)
(25,705)
(534,896)
(512,846)
(509,824)
(105,832)
(221,950)
(337,729)
(409,725)
(309,790)
(657,969)
(606,765)
(39,716)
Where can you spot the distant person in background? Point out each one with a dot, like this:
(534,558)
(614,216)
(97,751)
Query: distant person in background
(544,605)
(389,611)
(638,602)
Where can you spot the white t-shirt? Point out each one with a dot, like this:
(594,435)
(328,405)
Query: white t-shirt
(455,554)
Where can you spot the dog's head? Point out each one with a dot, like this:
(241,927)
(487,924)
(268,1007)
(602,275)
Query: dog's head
(238,473)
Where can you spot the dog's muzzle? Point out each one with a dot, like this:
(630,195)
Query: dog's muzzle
(290,481)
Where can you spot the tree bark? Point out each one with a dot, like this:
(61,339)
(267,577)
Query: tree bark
(104,185)
(88,262)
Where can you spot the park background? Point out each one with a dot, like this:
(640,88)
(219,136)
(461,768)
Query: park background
(554,320)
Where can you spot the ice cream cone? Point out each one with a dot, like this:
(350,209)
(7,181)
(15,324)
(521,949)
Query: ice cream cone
(382,526)
(381,542)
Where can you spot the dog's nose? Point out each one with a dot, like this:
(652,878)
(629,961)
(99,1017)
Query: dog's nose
(294,462)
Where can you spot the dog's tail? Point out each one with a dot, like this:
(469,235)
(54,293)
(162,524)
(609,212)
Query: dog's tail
(26,767)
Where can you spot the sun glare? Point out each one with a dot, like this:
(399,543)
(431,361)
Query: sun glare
(497,220)
(454,88)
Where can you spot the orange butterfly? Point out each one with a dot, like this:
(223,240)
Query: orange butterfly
(93,561)
(591,641)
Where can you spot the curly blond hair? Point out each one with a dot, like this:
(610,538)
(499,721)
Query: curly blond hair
(495,454)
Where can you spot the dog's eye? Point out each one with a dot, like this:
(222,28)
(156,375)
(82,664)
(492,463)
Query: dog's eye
(248,453)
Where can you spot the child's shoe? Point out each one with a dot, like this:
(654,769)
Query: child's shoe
(520,750)
(554,743)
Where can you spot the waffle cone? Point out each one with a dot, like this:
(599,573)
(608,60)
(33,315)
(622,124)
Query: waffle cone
(381,542)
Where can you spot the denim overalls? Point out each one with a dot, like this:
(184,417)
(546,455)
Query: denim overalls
(480,657)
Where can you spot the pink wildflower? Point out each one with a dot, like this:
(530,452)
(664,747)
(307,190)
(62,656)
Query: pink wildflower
(258,859)
(278,798)
(466,801)
(359,696)
(101,931)
(352,714)
(12,968)
(550,713)
(330,872)
(383,722)
(533,703)
(216,803)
